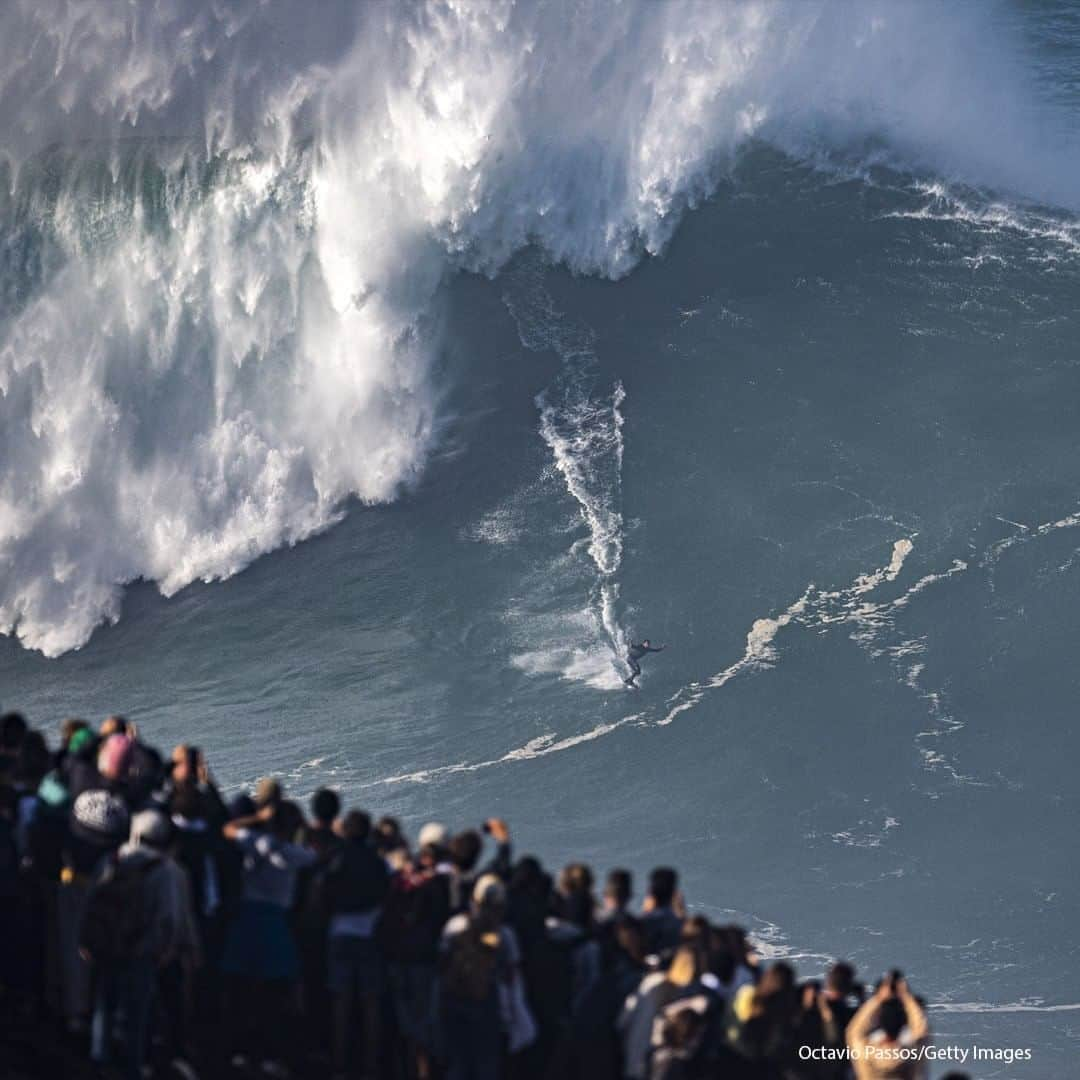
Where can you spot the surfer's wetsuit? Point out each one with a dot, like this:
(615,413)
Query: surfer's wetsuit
(634,654)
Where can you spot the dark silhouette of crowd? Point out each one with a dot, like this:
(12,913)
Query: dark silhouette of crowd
(152,928)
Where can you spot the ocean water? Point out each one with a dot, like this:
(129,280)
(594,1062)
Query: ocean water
(369,380)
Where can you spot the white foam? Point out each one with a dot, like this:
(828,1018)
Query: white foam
(760,652)
(583,429)
(540,746)
(1031,1005)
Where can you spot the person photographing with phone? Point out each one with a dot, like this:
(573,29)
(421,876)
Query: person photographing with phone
(889,1032)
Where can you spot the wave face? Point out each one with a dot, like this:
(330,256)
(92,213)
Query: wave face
(223,232)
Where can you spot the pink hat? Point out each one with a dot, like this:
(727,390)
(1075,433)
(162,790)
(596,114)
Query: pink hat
(114,758)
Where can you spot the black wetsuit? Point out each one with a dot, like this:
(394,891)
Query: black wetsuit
(633,655)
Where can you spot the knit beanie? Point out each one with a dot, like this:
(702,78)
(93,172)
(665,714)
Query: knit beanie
(101,818)
(82,738)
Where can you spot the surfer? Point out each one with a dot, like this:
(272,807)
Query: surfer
(634,654)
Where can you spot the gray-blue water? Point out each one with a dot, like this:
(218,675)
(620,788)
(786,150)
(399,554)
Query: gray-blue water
(823,443)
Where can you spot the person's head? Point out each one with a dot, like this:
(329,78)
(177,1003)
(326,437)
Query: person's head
(575,879)
(113,725)
(776,979)
(82,743)
(683,1028)
(575,894)
(68,727)
(184,767)
(696,931)
(840,980)
(776,997)
(528,881)
(433,835)
(12,730)
(114,757)
(630,939)
(646,642)
(268,792)
(663,884)
(488,900)
(325,807)
(464,849)
(891,1018)
(618,890)
(100,818)
(356,826)
(723,954)
(288,820)
(32,761)
(687,965)
(388,834)
(150,829)
(427,857)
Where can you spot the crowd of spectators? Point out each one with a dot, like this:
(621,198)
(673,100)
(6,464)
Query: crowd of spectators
(155,928)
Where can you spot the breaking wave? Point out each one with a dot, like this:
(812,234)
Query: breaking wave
(224,228)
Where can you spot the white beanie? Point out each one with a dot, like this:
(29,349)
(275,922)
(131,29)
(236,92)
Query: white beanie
(433,834)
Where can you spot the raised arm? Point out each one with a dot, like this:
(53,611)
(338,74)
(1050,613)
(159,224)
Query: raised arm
(917,1024)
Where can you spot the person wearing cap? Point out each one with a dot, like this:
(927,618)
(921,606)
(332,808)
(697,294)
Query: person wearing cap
(98,824)
(260,957)
(481,993)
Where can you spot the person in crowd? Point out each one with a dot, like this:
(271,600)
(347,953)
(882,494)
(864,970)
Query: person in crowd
(137,922)
(618,892)
(268,792)
(662,912)
(765,1018)
(463,853)
(891,1020)
(417,909)
(311,921)
(325,807)
(389,841)
(481,1001)
(260,956)
(13,728)
(680,1054)
(200,850)
(98,824)
(591,1048)
(731,961)
(657,991)
(356,883)
(843,993)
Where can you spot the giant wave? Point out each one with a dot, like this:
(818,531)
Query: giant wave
(224,230)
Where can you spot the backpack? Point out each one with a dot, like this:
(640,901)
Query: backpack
(471,965)
(117,918)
